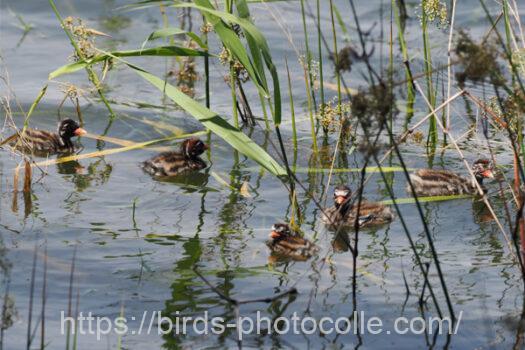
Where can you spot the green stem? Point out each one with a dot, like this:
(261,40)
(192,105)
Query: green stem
(411,94)
(320,53)
(206,65)
(33,106)
(234,97)
(308,56)
(292,109)
(432,132)
(336,61)
(310,112)
(265,112)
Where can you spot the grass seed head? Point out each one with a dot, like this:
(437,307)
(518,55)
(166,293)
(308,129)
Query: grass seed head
(84,37)
(206,28)
(227,59)
(333,116)
(435,12)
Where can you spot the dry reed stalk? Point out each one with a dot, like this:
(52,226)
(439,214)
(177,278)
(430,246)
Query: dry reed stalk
(14,205)
(519,194)
(28,203)
(27,177)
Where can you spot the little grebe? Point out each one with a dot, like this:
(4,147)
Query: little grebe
(41,142)
(343,213)
(289,244)
(174,163)
(431,182)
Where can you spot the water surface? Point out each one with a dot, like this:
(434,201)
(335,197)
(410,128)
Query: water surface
(135,240)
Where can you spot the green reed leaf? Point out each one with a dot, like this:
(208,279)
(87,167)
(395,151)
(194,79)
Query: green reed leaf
(155,51)
(172,31)
(426,199)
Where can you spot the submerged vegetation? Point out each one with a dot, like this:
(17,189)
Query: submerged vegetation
(479,62)
(357,102)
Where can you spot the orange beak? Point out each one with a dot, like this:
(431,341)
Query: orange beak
(340,200)
(488,173)
(274,235)
(80,132)
(206,147)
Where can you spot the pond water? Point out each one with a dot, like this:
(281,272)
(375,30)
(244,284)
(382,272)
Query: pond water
(134,241)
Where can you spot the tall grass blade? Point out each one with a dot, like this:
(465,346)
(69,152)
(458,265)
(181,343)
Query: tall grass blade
(320,53)
(31,296)
(156,51)
(431,92)
(70,296)
(308,55)
(44,298)
(33,106)
(292,108)
(411,93)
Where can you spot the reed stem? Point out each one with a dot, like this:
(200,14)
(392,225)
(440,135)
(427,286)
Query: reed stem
(308,56)
(292,108)
(320,53)
(336,61)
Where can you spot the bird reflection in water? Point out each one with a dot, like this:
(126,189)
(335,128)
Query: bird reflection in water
(96,173)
